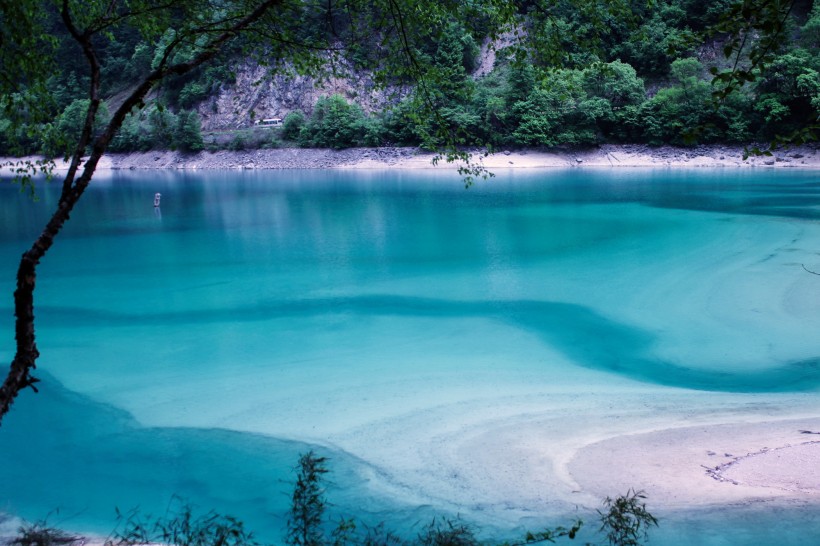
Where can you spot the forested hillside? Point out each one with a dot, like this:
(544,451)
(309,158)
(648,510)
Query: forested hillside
(637,75)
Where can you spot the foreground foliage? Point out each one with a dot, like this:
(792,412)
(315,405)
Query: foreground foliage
(308,502)
(181,527)
(42,534)
(625,521)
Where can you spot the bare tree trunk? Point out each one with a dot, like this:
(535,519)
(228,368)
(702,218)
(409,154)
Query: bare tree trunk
(25,359)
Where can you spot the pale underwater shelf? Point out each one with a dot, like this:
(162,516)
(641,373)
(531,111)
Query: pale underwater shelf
(76,462)
(108,462)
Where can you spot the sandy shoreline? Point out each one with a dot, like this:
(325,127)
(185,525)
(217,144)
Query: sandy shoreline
(413,158)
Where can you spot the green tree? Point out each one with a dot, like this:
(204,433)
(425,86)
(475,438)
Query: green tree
(677,114)
(192,93)
(161,126)
(292,125)
(308,502)
(521,83)
(558,112)
(448,62)
(140,61)
(653,46)
(810,32)
(450,119)
(756,32)
(188,132)
(133,136)
(623,91)
(616,82)
(488,103)
(335,123)
(625,521)
(787,91)
(701,15)
(69,125)
(401,124)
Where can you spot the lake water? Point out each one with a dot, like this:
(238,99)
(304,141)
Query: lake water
(388,320)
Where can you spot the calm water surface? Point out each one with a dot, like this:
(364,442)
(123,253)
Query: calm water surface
(197,349)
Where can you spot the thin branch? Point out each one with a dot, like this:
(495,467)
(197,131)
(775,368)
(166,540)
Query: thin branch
(780,27)
(301,45)
(740,48)
(107,22)
(769,42)
(84,40)
(809,270)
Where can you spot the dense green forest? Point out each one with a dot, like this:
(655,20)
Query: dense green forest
(637,75)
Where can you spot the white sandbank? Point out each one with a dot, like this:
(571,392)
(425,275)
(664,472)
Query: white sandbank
(737,462)
(546,454)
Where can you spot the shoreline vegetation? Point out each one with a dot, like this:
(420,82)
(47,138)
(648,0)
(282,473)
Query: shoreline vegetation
(610,155)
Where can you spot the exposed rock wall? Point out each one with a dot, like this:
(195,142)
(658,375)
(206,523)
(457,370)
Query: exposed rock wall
(258,93)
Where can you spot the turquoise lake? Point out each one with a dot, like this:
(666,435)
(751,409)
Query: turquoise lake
(390,320)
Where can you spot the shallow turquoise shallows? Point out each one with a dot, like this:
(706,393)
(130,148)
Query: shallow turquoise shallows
(196,349)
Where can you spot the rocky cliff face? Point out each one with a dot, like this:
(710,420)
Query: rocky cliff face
(258,94)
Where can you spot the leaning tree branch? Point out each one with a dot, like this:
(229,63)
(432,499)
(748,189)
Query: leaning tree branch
(84,40)
(25,359)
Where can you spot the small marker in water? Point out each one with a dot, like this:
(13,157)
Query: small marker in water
(157,197)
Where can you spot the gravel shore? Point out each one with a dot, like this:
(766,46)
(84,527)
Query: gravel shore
(414,158)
